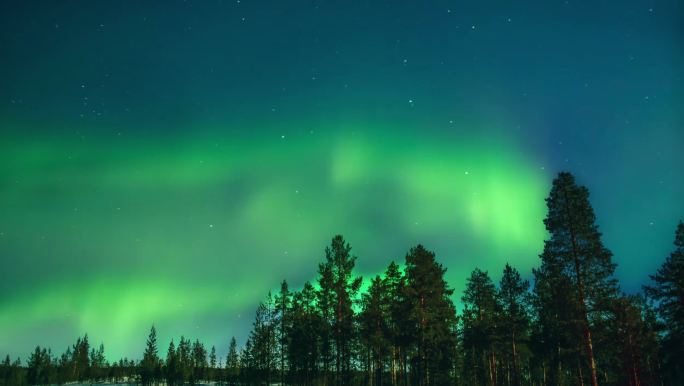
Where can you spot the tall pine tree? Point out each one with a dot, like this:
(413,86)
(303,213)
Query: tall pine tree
(339,289)
(432,317)
(283,304)
(575,248)
(514,322)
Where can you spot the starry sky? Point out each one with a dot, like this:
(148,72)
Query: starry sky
(171,162)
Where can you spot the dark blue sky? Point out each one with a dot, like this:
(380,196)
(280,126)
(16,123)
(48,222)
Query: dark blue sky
(198,142)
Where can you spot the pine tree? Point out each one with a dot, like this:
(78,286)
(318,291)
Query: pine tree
(283,303)
(326,303)
(97,363)
(555,329)
(212,364)
(394,283)
(374,329)
(199,362)
(480,313)
(575,247)
(627,355)
(247,367)
(185,365)
(336,274)
(65,367)
(171,365)
(39,367)
(232,363)
(263,340)
(432,316)
(80,359)
(303,341)
(150,361)
(667,291)
(12,374)
(514,299)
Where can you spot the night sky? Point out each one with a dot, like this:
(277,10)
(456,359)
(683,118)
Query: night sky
(171,163)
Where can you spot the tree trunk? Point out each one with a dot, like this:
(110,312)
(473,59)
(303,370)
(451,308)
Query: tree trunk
(633,358)
(394,365)
(515,363)
(491,370)
(583,306)
(494,367)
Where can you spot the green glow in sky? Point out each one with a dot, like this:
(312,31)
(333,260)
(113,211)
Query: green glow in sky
(191,233)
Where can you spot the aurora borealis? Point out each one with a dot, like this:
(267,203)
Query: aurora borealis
(171,164)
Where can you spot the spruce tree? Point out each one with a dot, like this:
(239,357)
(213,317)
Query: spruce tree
(667,291)
(150,361)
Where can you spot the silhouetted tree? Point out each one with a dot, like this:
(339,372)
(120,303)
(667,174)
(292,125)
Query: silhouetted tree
(97,363)
(432,318)
(514,322)
(667,291)
(576,249)
(232,363)
(199,362)
(263,340)
(150,362)
(211,372)
(283,304)
(374,330)
(398,323)
(480,313)
(171,372)
(80,359)
(304,336)
(40,367)
(341,289)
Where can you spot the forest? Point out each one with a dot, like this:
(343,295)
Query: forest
(571,324)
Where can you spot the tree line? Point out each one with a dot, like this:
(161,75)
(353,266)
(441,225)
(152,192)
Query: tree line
(571,326)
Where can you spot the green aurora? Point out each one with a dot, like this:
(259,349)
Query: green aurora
(213,223)
(171,164)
